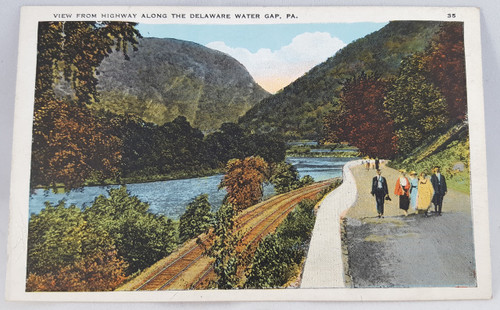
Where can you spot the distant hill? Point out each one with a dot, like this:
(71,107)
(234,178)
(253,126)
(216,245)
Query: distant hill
(166,78)
(297,111)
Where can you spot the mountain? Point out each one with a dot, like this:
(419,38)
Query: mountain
(297,111)
(166,78)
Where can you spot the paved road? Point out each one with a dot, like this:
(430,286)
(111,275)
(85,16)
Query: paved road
(412,251)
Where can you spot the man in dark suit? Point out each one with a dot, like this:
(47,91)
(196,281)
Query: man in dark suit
(380,191)
(439,184)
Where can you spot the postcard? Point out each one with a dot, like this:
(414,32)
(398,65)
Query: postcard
(248,154)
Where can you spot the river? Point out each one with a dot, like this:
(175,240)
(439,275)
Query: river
(170,198)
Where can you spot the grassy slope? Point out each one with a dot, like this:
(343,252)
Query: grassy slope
(447,151)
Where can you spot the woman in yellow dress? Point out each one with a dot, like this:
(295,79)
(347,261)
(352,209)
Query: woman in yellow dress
(425,193)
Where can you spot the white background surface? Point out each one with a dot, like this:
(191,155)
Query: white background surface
(490,36)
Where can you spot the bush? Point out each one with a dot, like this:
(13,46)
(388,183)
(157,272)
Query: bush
(68,253)
(285,178)
(196,219)
(279,255)
(141,237)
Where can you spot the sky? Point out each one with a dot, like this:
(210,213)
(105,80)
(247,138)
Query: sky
(275,55)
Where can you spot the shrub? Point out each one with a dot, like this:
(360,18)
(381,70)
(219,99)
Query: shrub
(196,219)
(279,255)
(68,253)
(141,237)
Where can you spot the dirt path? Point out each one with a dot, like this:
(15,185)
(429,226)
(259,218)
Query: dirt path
(412,251)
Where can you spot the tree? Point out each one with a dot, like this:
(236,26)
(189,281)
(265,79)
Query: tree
(243,181)
(362,120)
(141,238)
(272,263)
(69,143)
(278,257)
(73,50)
(179,147)
(102,272)
(271,147)
(68,253)
(306,180)
(445,62)
(231,142)
(415,105)
(227,143)
(196,219)
(285,178)
(224,249)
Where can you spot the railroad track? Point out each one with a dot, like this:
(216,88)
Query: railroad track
(189,268)
(251,239)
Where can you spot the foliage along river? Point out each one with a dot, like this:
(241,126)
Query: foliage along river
(170,198)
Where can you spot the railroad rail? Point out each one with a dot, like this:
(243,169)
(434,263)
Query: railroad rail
(189,268)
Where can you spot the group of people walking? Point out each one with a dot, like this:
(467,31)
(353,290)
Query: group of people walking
(415,192)
(371,163)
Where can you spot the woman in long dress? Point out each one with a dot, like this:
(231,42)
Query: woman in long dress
(425,193)
(413,190)
(403,191)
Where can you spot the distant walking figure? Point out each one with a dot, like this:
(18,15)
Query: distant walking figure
(402,190)
(377,163)
(439,184)
(425,194)
(413,190)
(380,191)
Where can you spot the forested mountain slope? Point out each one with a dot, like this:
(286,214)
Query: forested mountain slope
(167,78)
(298,110)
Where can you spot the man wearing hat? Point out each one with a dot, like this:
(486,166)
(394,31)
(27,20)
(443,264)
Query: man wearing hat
(380,191)
(439,184)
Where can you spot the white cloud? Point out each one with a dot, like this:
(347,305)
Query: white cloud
(273,70)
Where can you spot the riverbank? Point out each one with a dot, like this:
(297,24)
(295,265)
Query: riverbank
(181,175)
(172,196)
(347,154)
(412,251)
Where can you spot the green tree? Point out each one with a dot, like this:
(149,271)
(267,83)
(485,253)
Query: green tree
(68,253)
(306,180)
(224,249)
(272,264)
(196,219)
(277,259)
(285,178)
(232,142)
(416,106)
(271,147)
(141,238)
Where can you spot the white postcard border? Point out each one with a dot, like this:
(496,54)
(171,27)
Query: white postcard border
(19,200)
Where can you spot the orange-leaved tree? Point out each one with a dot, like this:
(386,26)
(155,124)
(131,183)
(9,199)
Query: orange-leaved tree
(243,181)
(70,145)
